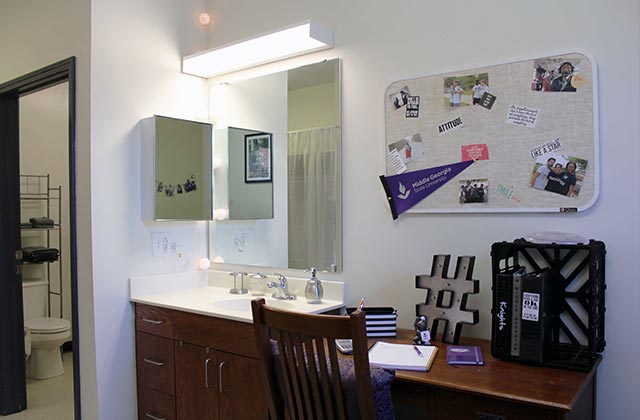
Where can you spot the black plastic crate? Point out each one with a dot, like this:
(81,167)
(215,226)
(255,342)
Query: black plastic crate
(577,297)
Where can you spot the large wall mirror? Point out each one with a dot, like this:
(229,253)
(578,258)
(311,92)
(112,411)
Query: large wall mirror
(301,110)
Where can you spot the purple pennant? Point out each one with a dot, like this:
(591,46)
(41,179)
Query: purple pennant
(407,189)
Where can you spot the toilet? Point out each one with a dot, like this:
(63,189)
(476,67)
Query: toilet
(43,334)
(47,335)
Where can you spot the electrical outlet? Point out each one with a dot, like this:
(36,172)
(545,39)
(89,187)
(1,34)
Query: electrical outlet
(160,244)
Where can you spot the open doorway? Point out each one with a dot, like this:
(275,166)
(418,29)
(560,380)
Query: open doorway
(38,324)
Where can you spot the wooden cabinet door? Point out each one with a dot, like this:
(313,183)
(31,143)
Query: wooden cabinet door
(241,395)
(196,382)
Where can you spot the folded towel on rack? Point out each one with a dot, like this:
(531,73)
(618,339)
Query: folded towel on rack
(38,254)
(41,222)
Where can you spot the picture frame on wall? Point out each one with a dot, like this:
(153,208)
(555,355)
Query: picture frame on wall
(257,158)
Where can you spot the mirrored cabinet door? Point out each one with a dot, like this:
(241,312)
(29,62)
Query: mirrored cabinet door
(300,220)
(176,169)
(243,180)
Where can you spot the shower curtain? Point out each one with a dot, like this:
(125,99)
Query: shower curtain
(314,198)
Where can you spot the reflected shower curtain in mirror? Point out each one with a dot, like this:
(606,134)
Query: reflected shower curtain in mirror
(314,198)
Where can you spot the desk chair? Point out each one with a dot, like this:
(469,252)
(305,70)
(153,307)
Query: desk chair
(298,387)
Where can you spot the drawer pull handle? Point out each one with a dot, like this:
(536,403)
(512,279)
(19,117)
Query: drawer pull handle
(206,373)
(153,321)
(220,376)
(154,362)
(151,416)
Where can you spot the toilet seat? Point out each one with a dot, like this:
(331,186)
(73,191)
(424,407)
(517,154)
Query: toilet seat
(47,325)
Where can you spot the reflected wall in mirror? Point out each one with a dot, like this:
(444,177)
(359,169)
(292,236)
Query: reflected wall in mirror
(301,108)
(177,165)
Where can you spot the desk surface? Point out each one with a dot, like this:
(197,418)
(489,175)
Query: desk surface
(511,381)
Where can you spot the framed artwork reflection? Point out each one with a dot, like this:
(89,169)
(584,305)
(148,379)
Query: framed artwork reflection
(257,157)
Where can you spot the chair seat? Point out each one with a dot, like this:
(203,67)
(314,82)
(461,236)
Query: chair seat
(380,381)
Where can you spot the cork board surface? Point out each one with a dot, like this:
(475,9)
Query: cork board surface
(525,113)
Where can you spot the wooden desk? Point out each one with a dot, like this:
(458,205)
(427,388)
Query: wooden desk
(496,391)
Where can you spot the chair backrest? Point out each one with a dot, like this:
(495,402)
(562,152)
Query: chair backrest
(301,373)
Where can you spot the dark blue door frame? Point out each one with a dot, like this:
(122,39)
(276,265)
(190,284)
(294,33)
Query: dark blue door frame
(13,393)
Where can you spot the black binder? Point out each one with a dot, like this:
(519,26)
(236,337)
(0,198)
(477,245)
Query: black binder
(521,316)
(502,327)
(535,317)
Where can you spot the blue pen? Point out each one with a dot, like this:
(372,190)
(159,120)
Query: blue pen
(418,351)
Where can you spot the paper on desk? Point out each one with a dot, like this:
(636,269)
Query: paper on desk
(402,356)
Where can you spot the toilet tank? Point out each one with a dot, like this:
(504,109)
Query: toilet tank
(34,298)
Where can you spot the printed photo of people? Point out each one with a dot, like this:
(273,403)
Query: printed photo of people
(409,148)
(556,74)
(465,90)
(474,190)
(399,99)
(559,174)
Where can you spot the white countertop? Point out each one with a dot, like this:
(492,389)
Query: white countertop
(207,293)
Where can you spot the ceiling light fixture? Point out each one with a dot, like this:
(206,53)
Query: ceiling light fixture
(289,42)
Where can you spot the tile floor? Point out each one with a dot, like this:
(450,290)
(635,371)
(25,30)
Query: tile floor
(49,399)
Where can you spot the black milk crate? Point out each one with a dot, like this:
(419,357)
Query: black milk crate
(577,297)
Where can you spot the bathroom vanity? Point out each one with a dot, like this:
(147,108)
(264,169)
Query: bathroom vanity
(193,366)
(196,355)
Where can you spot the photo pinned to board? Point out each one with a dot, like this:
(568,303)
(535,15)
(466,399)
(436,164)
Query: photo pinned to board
(409,148)
(473,190)
(400,98)
(522,116)
(487,100)
(507,191)
(475,152)
(413,107)
(450,125)
(465,90)
(557,74)
(560,174)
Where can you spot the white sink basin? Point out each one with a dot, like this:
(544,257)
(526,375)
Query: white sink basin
(244,304)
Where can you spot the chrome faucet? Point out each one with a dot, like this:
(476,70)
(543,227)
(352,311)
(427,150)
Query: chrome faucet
(282,288)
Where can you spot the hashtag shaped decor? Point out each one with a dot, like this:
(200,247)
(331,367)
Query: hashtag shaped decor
(446,300)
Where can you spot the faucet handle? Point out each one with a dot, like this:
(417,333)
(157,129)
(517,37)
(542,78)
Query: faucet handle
(313,271)
(279,276)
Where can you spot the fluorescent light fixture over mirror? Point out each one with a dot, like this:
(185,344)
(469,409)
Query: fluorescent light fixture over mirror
(285,43)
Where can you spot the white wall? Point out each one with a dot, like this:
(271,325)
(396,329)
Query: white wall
(388,41)
(34,34)
(136,55)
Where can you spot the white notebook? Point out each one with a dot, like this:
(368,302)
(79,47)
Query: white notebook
(402,356)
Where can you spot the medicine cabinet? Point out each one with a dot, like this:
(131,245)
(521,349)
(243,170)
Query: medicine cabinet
(241,192)
(176,169)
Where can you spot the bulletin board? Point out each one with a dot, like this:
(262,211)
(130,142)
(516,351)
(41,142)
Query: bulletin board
(516,120)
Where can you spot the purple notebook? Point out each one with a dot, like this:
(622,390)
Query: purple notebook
(464,355)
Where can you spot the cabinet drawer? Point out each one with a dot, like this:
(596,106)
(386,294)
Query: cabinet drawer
(154,320)
(460,406)
(154,405)
(221,334)
(154,356)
